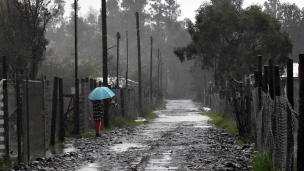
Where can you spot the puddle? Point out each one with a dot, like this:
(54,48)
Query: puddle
(186,118)
(90,167)
(202,126)
(126,146)
(67,149)
(161,162)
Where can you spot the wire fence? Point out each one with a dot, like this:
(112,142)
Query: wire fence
(265,125)
(33,136)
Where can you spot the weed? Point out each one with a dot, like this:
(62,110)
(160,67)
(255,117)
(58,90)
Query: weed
(262,162)
(239,143)
(223,122)
(151,116)
(6,164)
(162,106)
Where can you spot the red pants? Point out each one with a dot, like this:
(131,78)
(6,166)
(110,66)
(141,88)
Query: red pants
(97,126)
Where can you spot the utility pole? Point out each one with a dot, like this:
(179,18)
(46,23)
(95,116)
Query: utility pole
(118,37)
(161,78)
(151,89)
(127,59)
(139,66)
(105,58)
(158,74)
(76,99)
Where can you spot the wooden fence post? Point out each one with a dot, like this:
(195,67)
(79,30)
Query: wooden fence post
(5,109)
(91,84)
(61,112)
(300,154)
(290,97)
(248,109)
(277,81)
(265,85)
(256,79)
(270,79)
(54,111)
(94,83)
(19,116)
(122,100)
(260,85)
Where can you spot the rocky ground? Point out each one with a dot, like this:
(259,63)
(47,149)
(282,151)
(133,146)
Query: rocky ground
(180,139)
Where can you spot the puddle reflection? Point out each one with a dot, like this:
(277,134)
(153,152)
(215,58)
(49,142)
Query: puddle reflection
(90,167)
(186,118)
(125,146)
(202,126)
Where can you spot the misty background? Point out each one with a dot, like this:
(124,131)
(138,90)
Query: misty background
(45,42)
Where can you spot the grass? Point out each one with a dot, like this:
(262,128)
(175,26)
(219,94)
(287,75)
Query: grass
(6,164)
(259,162)
(262,162)
(222,122)
(239,143)
(162,106)
(151,116)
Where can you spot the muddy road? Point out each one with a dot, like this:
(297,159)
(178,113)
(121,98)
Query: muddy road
(180,139)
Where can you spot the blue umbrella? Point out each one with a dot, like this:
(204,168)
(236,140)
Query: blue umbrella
(100,93)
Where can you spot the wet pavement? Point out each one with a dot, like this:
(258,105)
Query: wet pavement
(180,139)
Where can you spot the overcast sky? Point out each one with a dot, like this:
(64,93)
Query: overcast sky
(188,7)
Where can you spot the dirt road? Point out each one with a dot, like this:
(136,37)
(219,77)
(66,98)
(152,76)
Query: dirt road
(180,139)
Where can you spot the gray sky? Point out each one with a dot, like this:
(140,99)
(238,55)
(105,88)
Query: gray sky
(188,7)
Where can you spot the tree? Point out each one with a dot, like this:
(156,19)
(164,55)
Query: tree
(228,40)
(23,25)
(291,19)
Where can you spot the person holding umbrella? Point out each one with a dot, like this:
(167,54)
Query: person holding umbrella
(97,115)
(97,95)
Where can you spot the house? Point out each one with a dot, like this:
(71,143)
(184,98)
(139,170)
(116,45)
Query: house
(112,81)
(295,80)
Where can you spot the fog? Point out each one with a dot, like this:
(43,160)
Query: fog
(159,22)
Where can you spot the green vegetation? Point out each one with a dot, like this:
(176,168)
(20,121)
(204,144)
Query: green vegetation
(121,122)
(59,145)
(222,122)
(262,162)
(254,149)
(231,28)
(6,164)
(259,162)
(239,143)
(162,106)
(151,116)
